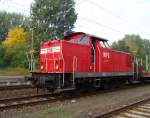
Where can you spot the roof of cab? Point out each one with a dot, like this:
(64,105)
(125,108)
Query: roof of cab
(79,33)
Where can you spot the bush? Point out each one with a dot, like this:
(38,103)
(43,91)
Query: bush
(2,60)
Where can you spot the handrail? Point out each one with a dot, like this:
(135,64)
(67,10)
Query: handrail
(54,62)
(94,56)
(63,83)
(46,61)
(75,61)
(99,56)
(63,72)
(137,69)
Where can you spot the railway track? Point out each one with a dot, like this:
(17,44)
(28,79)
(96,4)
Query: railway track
(136,109)
(12,103)
(15,87)
(2,83)
(12,80)
(15,83)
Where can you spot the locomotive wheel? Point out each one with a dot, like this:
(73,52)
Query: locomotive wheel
(143,81)
(113,83)
(105,85)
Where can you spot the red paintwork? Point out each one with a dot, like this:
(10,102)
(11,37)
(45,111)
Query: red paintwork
(109,60)
(80,55)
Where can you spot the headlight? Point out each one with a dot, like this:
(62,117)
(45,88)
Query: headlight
(42,67)
(56,65)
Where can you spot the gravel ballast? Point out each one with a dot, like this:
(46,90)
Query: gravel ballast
(19,93)
(73,108)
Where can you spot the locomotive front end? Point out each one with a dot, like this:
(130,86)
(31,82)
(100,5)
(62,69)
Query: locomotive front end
(60,60)
(51,66)
(51,57)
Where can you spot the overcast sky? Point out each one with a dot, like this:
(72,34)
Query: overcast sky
(110,19)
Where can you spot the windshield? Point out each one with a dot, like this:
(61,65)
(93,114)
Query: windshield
(80,40)
(104,44)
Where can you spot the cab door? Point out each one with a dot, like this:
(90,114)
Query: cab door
(103,57)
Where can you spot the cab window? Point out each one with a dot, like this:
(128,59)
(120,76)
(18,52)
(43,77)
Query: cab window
(84,40)
(81,40)
(104,44)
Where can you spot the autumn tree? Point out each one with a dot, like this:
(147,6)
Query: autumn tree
(8,21)
(16,36)
(16,48)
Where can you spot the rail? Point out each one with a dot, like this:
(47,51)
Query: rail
(12,103)
(118,111)
(16,87)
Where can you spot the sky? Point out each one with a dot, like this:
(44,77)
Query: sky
(110,19)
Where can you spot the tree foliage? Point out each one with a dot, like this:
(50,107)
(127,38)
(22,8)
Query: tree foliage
(16,35)
(8,21)
(53,18)
(136,45)
(15,56)
(13,49)
(2,54)
(49,19)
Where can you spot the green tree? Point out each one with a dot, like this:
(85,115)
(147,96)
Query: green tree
(52,18)
(15,56)
(120,45)
(136,45)
(2,53)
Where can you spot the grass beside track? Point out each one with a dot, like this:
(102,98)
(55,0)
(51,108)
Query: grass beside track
(13,71)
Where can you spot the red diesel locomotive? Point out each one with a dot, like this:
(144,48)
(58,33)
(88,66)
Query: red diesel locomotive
(82,60)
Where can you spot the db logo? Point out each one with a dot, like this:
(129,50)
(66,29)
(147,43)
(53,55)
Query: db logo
(106,55)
